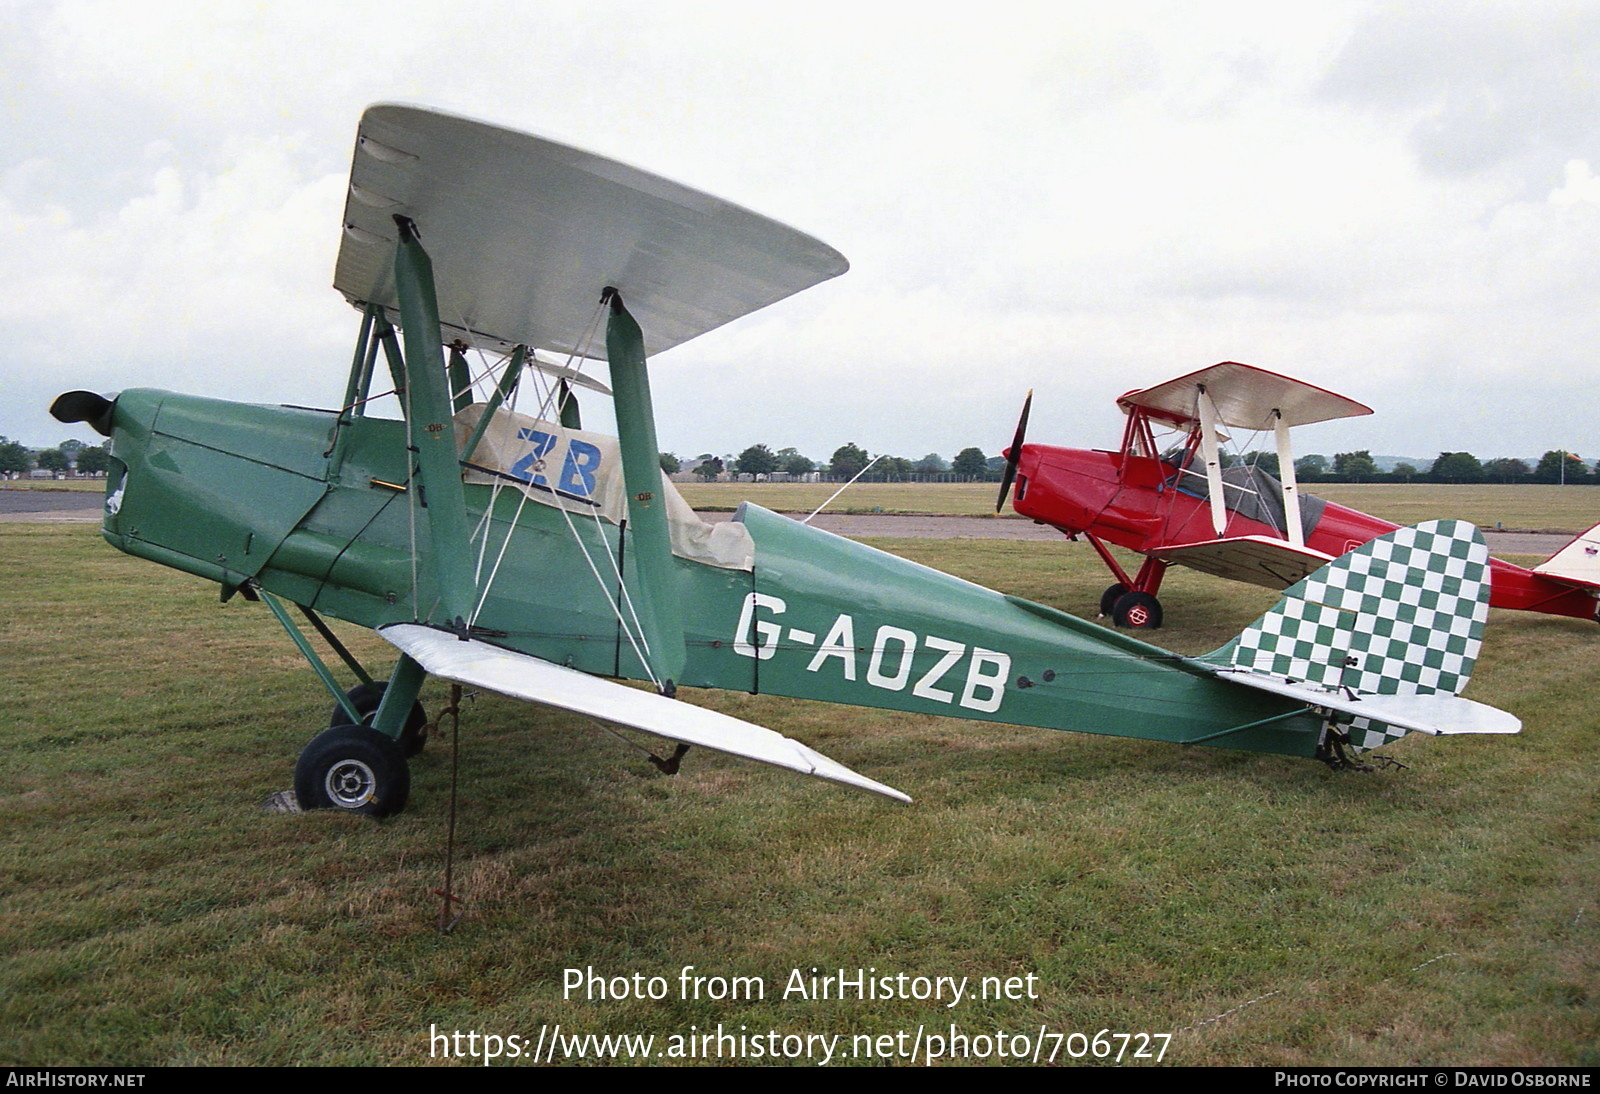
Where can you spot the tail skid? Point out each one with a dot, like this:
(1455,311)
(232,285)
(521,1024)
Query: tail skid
(1384,638)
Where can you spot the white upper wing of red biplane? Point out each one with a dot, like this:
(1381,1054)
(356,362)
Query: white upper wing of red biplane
(524,233)
(525,677)
(1246,397)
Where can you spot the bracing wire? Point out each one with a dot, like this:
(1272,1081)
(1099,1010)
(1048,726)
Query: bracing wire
(622,608)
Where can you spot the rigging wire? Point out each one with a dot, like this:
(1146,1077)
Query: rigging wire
(621,607)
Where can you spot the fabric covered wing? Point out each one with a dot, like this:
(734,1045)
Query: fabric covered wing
(1245,397)
(1258,560)
(524,233)
(523,677)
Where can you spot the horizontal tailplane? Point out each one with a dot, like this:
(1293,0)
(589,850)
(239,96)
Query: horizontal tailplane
(1577,562)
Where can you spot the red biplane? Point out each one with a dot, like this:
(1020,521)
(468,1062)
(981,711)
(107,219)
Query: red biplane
(1178,504)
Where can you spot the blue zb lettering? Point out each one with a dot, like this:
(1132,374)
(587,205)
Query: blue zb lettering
(527,469)
(577,474)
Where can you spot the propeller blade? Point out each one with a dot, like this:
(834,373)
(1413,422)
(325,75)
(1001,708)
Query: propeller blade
(1015,453)
(84,406)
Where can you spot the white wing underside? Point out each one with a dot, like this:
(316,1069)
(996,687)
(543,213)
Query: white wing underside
(524,677)
(1245,397)
(1259,560)
(524,233)
(1433,713)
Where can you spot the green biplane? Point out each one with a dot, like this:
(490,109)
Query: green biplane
(512,550)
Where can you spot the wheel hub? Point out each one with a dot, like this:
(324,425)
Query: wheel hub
(350,784)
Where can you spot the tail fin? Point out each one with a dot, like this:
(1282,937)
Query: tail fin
(1401,616)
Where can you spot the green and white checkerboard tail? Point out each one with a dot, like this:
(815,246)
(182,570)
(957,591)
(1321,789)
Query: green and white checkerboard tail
(1401,615)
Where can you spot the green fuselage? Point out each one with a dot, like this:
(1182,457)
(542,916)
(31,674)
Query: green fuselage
(324,512)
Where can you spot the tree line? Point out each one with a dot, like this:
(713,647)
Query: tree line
(17,459)
(846,463)
(970,464)
(1555,466)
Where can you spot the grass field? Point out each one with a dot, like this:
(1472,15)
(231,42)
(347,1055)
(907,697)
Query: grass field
(968,499)
(1261,910)
(1518,508)
(76,485)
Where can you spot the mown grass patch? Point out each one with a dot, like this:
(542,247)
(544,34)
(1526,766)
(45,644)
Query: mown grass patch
(1525,507)
(1522,507)
(971,499)
(76,485)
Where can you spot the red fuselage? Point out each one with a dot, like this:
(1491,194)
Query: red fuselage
(1131,501)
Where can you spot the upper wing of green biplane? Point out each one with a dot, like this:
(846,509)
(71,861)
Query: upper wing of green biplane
(524,233)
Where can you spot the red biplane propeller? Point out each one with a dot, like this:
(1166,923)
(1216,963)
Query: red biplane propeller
(1014,453)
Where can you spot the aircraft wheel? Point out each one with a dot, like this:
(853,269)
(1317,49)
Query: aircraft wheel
(1140,611)
(365,698)
(354,768)
(1109,598)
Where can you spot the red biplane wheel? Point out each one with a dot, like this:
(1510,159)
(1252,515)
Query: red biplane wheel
(1140,611)
(365,698)
(1109,598)
(354,768)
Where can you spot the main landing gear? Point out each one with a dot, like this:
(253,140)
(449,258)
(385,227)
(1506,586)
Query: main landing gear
(1135,610)
(1131,602)
(355,767)
(365,698)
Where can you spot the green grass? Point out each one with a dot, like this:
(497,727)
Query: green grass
(1530,508)
(967,499)
(1262,909)
(79,485)
(1519,508)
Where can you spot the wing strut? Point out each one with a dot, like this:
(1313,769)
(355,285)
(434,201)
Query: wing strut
(1209,430)
(1291,489)
(660,613)
(429,418)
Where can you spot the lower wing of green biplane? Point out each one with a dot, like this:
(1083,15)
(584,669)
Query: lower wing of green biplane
(519,553)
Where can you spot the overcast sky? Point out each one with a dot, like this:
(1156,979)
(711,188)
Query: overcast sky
(1395,201)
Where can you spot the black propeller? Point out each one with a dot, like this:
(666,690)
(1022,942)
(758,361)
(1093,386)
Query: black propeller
(1016,453)
(84,406)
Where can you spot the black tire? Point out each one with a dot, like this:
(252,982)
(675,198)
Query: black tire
(365,698)
(1109,598)
(1138,611)
(353,768)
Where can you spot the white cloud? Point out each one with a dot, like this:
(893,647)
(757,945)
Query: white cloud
(1063,196)
(1580,185)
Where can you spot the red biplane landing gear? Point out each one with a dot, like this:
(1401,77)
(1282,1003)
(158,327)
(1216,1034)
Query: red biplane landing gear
(354,768)
(1137,610)
(1109,598)
(365,698)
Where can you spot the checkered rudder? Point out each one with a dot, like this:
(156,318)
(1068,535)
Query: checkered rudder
(1401,615)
